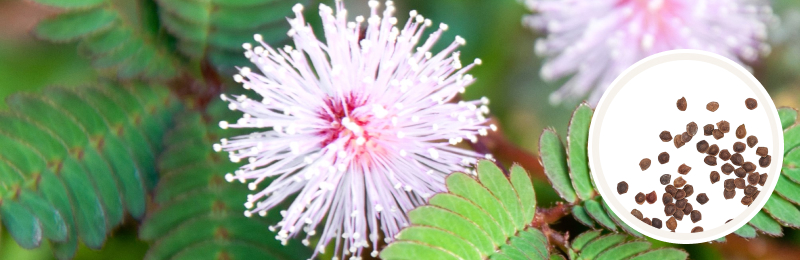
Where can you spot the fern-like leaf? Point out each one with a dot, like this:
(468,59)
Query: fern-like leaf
(613,246)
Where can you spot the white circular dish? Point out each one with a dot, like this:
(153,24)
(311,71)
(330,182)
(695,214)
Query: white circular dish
(641,103)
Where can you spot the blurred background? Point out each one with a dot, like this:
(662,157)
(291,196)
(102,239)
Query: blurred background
(509,76)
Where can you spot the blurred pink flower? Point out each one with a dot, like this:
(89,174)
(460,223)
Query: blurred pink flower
(358,127)
(592,42)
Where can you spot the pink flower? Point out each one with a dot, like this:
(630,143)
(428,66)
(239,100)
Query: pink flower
(359,126)
(594,41)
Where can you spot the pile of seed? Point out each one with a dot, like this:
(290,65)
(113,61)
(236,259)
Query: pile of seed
(677,191)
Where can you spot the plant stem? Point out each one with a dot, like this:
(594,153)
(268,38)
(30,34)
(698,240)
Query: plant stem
(556,238)
(545,216)
(502,149)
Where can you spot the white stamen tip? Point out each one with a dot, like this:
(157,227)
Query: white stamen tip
(258,37)
(223,124)
(297,8)
(478,61)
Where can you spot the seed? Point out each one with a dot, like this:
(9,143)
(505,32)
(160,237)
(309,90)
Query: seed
(753,178)
(688,208)
(712,106)
(755,195)
(681,203)
(672,224)
(651,197)
(725,155)
(747,200)
(724,126)
(717,134)
(666,198)
(684,169)
(727,168)
(657,223)
(622,187)
(688,189)
(741,132)
(679,194)
(644,164)
(636,213)
(750,103)
(726,222)
(737,159)
(714,177)
(749,167)
(663,157)
(647,221)
(740,172)
(671,190)
(697,229)
(678,141)
(696,216)
(738,147)
(665,179)
(686,137)
(752,141)
(679,214)
(639,198)
(707,129)
(739,182)
(702,146)
(750,190)
(729,194)
(665,136)
(691,128)
(762,179)
(682,104)
(710,160)
(729,185)
(670,209)
(764,161)
(702,198)
(762,151)
(679,182)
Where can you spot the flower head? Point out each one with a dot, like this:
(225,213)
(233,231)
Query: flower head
(359,126)
(594,41)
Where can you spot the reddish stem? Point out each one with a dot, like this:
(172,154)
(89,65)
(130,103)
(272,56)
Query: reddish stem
(546,216)
(502,149)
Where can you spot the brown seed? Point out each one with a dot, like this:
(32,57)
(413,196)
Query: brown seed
(702,198)
(697,229)
(622,187)
(741,132)
(750,103)
(750,190)
(691,128)
(671,190)
(749,167)
(740,172)
(752,141)
(665,179)
(688,208)
(714,177)
(729,185)
(679,214)
(737,159)
(665,136)
(684,169)
(729,194)
(666,198)
(712,106)
(681,203)
(755,195)
(682,104)
(637,214)
(726,222)
(725,155)
(707,129)
(670,209)
(644,164)
(651,197)
(747,200)
(679,182)
(762,179)
(727,168)
(657,223)
(678,141)
(739,182)
(717,134)
(672,224)
(688,189)
(753,178)
(663,157)
(679,194)
(762,151)
(724,126)
(710,160)
(764,161)
(696,216)
(738,147)
(639,198)
(647,221)
(702,146)
(686,137)
(712,150)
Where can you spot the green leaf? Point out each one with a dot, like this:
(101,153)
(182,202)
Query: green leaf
(791,165)
(553,159)
(788,189)
(762,222)
(409,250)
(467,187)
(522,184)
(469,210)
(788,116)
(53,225)
(601,244)
(577,140)
(442,239)
(74,25)
(591,245)
(580,214)
(499,185)
(746,231)
(597,213)
(783,211)
(584,238)
(625,250)
(72,4)
(791,138)
(621,223)
(23,225)
(447,220)
(663,254)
